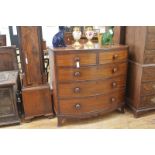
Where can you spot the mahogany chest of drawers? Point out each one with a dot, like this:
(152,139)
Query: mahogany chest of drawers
(88,82)
(141,76)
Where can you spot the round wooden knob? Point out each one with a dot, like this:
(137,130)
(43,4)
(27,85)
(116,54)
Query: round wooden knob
(77,90)
(114,84)
(77,106)
(76,74)
(113,99)
(115,56)
(77,59)
(115,69)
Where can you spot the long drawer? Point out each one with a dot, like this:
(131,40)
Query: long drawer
(92,104)
(90,88)
(112,56)
(148,73)
(72,59)
(92,73)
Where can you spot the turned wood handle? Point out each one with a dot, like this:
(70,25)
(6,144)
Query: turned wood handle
(76,74)
(115,56)
(77,90)
(113,99)
(115,69)
(114,84)
(78,106)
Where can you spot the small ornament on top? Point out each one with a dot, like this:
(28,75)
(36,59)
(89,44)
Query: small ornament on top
(107,37)
(58,39)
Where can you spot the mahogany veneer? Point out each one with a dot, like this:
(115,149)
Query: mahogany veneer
(88,82)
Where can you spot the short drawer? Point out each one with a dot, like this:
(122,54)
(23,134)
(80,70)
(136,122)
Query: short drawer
(148,101)
(149,57)
(148,88)
(112,56)
(92,73)
(150,41)
(90,88)
(92,104)
(148,74)
(72,59)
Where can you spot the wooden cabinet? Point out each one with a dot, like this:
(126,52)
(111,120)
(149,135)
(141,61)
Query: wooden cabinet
(8,99)
(141,76)
(88,82)
(2,40)
(37,98)
(10,103)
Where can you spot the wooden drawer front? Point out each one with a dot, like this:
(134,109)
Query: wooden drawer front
(72,59)
(92,104)
(149,57)
(92,73)
(151,29)
(148,74)
(148,88)
(112,56)
(83,89)
(148,101)
(150,42)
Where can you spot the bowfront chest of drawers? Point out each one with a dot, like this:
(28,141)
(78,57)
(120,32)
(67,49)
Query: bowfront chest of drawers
(141,74)
(88,82)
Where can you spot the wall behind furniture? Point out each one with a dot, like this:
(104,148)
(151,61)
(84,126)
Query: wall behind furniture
(48,33)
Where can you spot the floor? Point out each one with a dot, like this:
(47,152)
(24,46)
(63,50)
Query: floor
(113,120)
